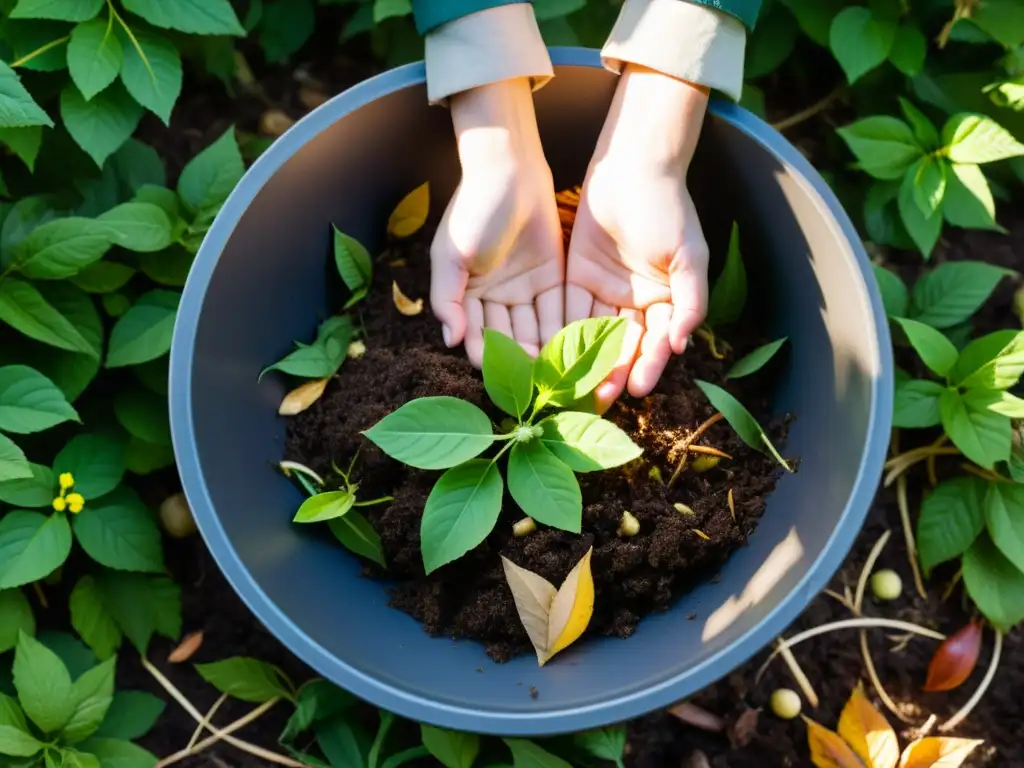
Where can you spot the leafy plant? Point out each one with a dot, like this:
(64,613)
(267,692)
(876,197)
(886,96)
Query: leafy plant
(447,433)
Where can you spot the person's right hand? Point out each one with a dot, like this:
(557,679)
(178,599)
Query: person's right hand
(497,259)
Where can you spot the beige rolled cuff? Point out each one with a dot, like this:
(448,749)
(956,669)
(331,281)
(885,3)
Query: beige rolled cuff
(486,47)
(686,40)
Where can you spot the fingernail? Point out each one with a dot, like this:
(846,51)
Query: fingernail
(446,334)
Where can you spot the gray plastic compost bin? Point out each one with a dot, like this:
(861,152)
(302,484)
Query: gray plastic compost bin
(261,280)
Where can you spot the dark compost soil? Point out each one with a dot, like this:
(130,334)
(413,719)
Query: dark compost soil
(406,359)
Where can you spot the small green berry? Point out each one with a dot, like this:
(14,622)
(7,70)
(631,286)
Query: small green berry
(886,584)
(785,703)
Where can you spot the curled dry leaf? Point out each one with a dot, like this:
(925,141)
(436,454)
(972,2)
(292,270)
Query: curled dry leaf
(410,214)
(186,648)
(274,122)
(828,750)
(403,303)
(553,619)
(868,733)
(743,729)
(698,717)
(937,752)
(303,396)
(954,659)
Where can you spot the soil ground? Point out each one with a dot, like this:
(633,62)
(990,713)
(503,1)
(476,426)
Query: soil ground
(832,662)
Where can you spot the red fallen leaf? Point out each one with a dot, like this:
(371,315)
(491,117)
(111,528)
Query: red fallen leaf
(954,659)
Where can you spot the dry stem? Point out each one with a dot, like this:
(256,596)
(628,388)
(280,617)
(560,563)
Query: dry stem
(798,674)
(908,535)
(965,710)
(40,595)
(684,445)
(206,720)
(707,450)
(816,108)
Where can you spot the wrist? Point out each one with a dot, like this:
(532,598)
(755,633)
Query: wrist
(654,121)
(496,126)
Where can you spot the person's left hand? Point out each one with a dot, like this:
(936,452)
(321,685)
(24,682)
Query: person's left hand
(637,248)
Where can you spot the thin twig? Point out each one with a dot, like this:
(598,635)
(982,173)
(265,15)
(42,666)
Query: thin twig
(841,599)
(905,461)
(684,444)
(908,535)
(876,681)
(798,674)
(40,595)
(984,474)
(707,450)
(965,710)
(206,720)
(865,572)
(806,114)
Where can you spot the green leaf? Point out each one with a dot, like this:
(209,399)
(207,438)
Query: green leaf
(741,420)
(324,356)
(954,291)
(13,464)
(895,296)
(353,262)
(118,531)
(969,202)
(607,743)
(543,487)
(141,227)
(885,147)
(246,679)
(91,619)
(60,248)
(343,743)
(30,402)
(169,267)
(508,373)
(756,360)
(141,168)
(17,108)
(94,56)
(462,508)
(15,616)
(73,652)
(585,442)
(729,294)
(815,17)
(209,177)
(952,516)
(316,701)
(998,401)
(526,754)
(772,45)
(114,753)
(937,352)
(1004,518)
(925,131)
(923,229)
(324,506)
(103,277)
(29,35)
(433,432)
(860,42)
(91,695)
(285,28)
(151,72)
(975,138)
(142,605)
(453,749)
(60,10)
(144,415)
(199,17)
(32,546)
(74,759)
(95,460)
(144,332)
(995,585)
(917,404)
(16,742)
(577,359)
(981,435)
(995,361)
(930,185)
(143,458)
(354,532)
(909,48)
(34,491)
(24,142)
(100,126)
(132,715)
(43,684)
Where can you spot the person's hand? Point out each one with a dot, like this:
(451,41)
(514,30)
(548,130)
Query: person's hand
(637,249)
(497,259)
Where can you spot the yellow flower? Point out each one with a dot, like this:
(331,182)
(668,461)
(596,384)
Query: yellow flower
(75,503)
(59,504)
(66,480)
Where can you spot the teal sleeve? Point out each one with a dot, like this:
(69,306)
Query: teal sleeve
(744,10)
(431,14)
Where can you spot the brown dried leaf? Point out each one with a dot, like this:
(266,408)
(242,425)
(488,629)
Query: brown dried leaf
(698,717)
(303,396)
(403,303)
(533,595)
(937,752)
(828,750)
(411,213)
(186,648)
(744,728)
(274,122)
(868,733)
(954,659)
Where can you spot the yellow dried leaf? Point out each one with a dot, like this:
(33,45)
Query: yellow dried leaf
(186,648)
(403,303)
(553,619)
(303,396)
(937,752)
(868,733)
(410,214)
(828,750)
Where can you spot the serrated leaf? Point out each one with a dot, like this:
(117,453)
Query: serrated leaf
(729,294)
(433,432)
(453,749)
(61,248)
(13,464)
(994,584)
(151,72)
(756,360)
(15,617)
(981,435)
(17,108)
(198,17)
(411,213)
(118,531)
(462,508)
(91,695)
(95,460)
(585,442)
(43,685)
(975,138)
(32,546)
(741,420)
(17,742)
(100,125)
(884,146)
(92,620)
(859,41)
(953,292)
(543,487)
(30,402)
(94,56)
(916,404)
(934,349)
(577,359)
(508,373)
(144,332)
(354,532)
(246,679)
(951,518)
(209,177)
(867,732)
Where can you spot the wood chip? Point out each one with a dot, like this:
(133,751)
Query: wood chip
(404,304)
(743,729)
(698,717)
(303,396)
(186,648)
